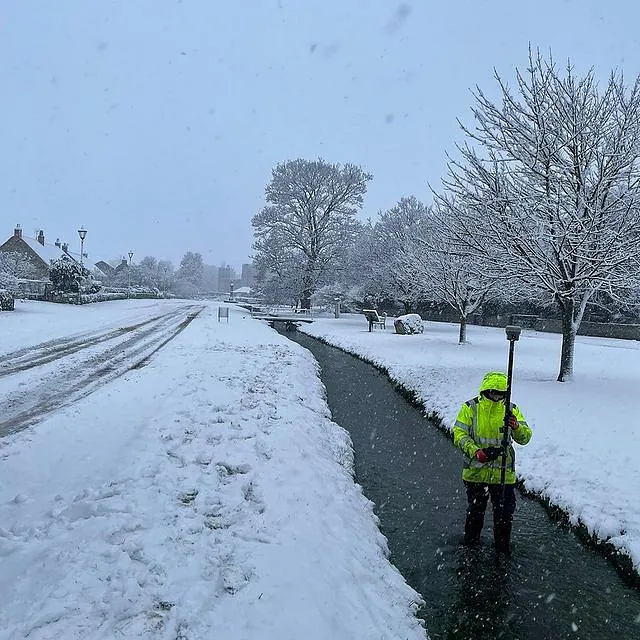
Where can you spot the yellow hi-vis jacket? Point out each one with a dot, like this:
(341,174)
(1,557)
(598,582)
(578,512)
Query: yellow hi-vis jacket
(478,426)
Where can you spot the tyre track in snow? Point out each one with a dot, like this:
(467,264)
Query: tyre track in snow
(46,352)
(81,377)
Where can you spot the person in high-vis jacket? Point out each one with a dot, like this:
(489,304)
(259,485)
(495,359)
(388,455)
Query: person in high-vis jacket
(478,433)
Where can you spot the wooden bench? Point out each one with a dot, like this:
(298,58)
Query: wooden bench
(374,319)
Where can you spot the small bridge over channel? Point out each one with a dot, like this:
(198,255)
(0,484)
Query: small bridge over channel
(289,318)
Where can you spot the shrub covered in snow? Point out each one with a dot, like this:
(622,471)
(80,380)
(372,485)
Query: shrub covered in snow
(6,300)
(136,292)
(101,296)
(69,277)
(7,281)
(408,324)
(66,275)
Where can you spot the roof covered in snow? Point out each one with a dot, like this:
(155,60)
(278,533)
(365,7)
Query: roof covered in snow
(46,252)
(49,252)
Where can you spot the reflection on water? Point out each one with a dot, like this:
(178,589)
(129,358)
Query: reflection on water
(549,587)
(483,591)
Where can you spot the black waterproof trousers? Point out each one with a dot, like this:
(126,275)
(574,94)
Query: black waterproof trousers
(478,494)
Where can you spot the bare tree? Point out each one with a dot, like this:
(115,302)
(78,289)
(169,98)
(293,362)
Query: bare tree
(550,197)
(310,216)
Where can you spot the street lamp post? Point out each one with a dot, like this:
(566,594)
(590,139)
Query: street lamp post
(129,272)
(82,232)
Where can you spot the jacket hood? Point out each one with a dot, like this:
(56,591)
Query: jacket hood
(494,380)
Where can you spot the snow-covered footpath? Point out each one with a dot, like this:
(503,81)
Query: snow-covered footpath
(585,452)
(206,495)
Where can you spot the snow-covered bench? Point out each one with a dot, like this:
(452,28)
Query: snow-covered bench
(374,319)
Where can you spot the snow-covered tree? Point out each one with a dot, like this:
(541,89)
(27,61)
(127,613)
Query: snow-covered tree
(309,221)
(189,276)
(346,277)
(454,276)
(165,274)
(17,264)
(549,195)
(147,272)
(150,273)
(396,260)
(7,281)
(279,271)
(191,267)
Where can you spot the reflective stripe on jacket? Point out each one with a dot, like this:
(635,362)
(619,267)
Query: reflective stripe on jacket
(478,426)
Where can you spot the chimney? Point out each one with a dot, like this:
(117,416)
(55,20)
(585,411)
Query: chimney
(65,247)
(17,232)
(41,237)
(57,243)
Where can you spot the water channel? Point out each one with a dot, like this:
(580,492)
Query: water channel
(551,586)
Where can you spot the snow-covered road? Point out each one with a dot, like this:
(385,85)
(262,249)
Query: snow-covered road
(39,378)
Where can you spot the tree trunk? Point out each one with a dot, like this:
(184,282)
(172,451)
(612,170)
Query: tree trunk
(462,337)
(305,301)
(308,285)
(408,306)
(569,330)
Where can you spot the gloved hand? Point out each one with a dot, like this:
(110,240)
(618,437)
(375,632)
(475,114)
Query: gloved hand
(481,456)
(512,423)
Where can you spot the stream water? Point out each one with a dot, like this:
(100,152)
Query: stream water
(551,586)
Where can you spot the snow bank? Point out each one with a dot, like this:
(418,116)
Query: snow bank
(207,495)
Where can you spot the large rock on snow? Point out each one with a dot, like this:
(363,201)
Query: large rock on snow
(409,323)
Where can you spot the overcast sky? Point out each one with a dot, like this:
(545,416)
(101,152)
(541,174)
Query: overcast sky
(155,123)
